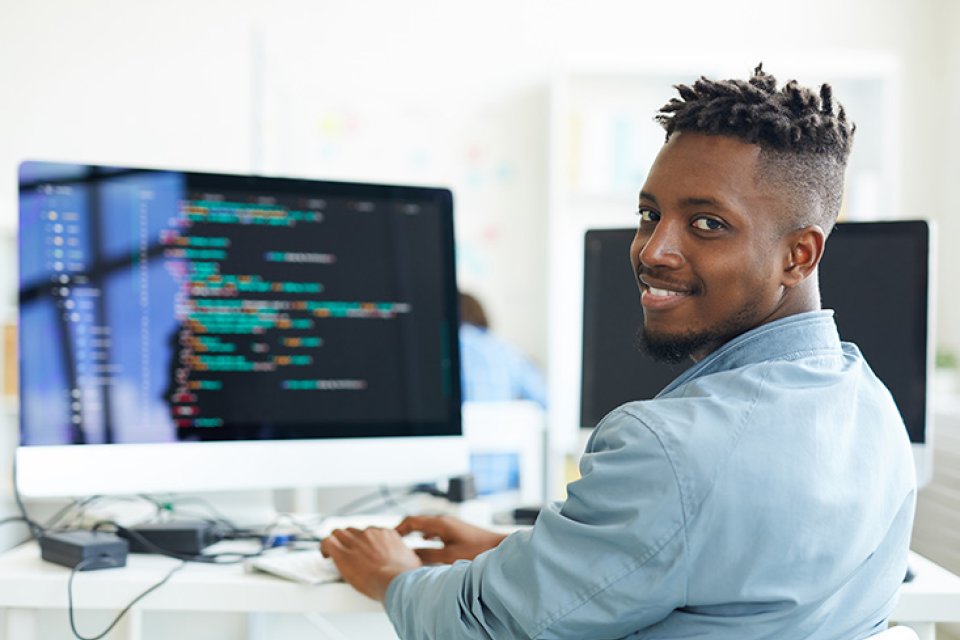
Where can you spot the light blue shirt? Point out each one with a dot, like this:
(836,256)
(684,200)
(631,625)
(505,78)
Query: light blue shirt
(768,492)
(494,370)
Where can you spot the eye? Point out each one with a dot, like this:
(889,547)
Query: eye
(647,215)
(708,224)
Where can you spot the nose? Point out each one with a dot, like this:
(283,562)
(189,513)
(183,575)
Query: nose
(660,247)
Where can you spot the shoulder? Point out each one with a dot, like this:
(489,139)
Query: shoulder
(695,430)
(695,416)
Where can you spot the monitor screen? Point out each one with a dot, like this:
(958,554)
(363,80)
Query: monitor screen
(614,369)
(891,330)
(888,316)
(177,307)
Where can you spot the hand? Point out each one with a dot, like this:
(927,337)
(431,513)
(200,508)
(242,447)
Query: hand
(461,541)
(369,559)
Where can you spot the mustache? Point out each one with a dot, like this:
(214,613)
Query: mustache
(663,277)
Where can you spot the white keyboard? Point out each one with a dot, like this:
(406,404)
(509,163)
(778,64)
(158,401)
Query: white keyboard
(306,567)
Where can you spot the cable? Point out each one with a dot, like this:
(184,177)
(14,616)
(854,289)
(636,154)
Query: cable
(307,527)
(218,518)
(370,502)
(215,558)
(389,500)
(75,503)
(382,495)
(80,504)
(35,528)
(293,520)
(59,520)
(79,567)
(219,558)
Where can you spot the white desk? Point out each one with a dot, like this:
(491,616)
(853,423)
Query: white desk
(932,596)
(29,586)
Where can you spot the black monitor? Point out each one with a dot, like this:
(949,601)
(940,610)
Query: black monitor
(614,369)
(874,275)
(163,311)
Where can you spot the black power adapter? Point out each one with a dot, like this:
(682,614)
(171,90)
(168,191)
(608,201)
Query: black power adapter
(459,489)
(179,537)
(88,549)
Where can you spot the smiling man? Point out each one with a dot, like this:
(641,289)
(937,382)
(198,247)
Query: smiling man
(717,251)
(768,492)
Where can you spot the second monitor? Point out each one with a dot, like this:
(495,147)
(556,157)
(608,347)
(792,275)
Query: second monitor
(874,275)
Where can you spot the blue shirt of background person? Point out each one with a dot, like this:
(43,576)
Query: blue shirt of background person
(491,368)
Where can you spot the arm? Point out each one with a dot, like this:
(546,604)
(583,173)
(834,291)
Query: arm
(609,562)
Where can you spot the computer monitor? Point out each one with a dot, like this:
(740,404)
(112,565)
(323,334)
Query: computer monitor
(188,332)
(874,275)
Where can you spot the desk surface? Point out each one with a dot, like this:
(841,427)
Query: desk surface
(933,595)
(27,582)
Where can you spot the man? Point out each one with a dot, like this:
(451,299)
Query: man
(768,492)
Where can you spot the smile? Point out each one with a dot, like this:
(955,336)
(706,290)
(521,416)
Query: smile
(664,292)
(661,299)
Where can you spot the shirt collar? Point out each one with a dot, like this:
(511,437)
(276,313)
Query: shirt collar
(798,333)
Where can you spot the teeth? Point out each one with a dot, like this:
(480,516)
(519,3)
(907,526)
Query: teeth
(663,292)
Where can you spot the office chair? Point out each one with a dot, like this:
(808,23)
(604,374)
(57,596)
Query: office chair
(896,633)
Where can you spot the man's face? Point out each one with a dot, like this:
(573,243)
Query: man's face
(709,253)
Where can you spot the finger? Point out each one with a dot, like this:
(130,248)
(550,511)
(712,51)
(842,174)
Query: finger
(429,526)
(384,534)
(377,530)
(345,537)
(329,546)
(409,525)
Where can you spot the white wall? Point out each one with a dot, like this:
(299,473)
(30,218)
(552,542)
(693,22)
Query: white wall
(173,85)
(945,168)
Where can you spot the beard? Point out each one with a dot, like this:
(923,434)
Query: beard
(673,348)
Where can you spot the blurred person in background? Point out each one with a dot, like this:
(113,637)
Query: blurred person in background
(492,369)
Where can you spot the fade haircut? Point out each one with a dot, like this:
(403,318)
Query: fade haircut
(804,137)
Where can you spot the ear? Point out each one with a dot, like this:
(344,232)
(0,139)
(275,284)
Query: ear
(804,250)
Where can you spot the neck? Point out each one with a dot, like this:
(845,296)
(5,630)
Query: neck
(799,299)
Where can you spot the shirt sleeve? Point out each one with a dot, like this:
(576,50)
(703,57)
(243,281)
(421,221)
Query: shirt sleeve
(529,381)
(608,561)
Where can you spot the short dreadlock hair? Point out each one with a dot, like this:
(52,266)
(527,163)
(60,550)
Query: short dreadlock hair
(804,140)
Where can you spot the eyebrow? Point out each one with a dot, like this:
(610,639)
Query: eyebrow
(699,202)
(648,196)
(691,202)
